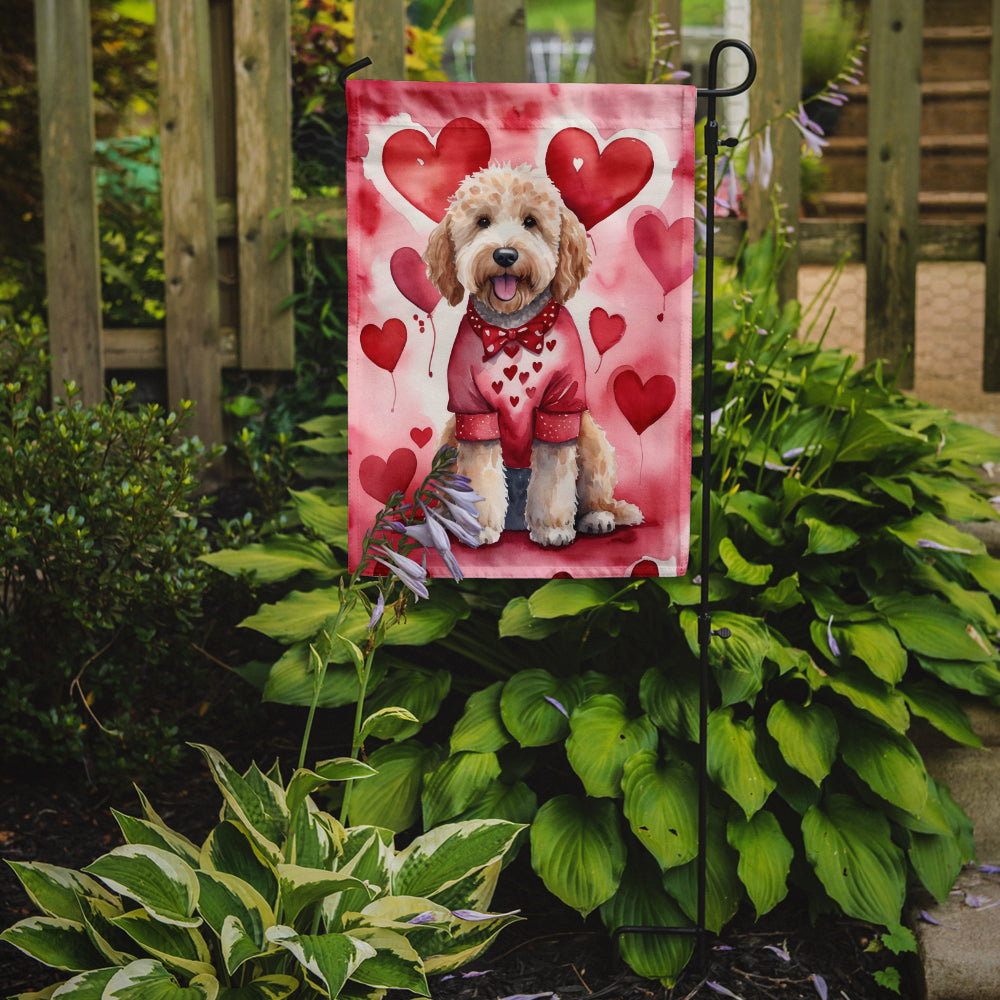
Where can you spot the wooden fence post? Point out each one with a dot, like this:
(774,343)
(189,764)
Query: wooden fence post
(892,214)
(262,61)
(776,35)
(72,255)
(991,332)
(501,41)
(621,40)
(380,34)
(190,251)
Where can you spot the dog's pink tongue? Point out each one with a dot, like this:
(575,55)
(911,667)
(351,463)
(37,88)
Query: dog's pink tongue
(504,285)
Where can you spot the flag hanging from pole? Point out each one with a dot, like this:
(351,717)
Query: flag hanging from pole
(520,260)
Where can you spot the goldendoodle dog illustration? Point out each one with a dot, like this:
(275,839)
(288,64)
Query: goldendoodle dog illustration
(516,379)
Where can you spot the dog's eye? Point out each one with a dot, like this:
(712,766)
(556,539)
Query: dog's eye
(530,222)
(483,222)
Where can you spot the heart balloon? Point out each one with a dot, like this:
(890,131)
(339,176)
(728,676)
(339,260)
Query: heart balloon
(427,175)
(421,435)
(593,183)
(381,478)
(642,403)
(606,330)
(384,344)
(409,272)
(668,251)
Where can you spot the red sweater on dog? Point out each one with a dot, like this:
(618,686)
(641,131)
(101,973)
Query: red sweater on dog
(517,385)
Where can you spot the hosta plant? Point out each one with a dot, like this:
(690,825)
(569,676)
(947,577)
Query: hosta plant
(279,900)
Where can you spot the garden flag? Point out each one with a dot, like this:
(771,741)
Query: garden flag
(520,261)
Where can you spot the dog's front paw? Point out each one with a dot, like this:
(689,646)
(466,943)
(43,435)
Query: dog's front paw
(487,536)
(597,522)
(552,535)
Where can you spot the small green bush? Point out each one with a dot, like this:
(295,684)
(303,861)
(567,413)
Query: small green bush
(99,578)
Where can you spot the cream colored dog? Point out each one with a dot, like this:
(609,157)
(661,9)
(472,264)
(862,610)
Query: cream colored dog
(516,376)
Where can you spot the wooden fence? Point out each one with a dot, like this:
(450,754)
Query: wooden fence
(226,161)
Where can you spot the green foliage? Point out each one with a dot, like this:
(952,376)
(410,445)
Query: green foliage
(280,899)
(101,587)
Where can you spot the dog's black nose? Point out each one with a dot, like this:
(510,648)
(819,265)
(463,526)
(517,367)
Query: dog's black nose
(505,256)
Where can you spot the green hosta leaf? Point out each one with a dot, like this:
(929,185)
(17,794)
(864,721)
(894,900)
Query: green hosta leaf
(957,501)
(765,858)
(751,574)
(876,646)
(456,784)
(440,858)
(226,898)
(279,558)
(292,681)
(602,738)
(578,851)
(928,528)
(888,763)
(180,948)
(54,941)
(641,901)
(481,728)
(931,628)
(141,831)
(807,736)
(275,987)
(976,678)
(528,710)
(827,539)
(965,443)
(516,803)
(87,986)
(517,620)
(941,709)
(327,520)
(758,511)
(671,700)
(301,887)
(661,799)
(783,595)
(386,723)
(330,959)
(850,848)
(230,849)
(159,881)
(391,798)
(937,859)
(986,572)
(866,692)
(395,964)
(738,661)
(870,436)
(415,689)
(147,979)
(56,891)
(723,889)
(732,760)
(893,488)
(975,605)
(560,598)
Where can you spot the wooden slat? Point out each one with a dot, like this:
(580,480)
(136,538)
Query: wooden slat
(501,37)
(991,333)
(380,34)
(72,257)
(621,40)
(893,184)
(776,36)
(144,348)
(190,254)
(262,62)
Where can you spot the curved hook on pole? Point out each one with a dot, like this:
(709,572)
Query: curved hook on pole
(353,68)
(712,90)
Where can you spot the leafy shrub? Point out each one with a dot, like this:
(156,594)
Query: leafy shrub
(279,899)
(854,605)
(99,541)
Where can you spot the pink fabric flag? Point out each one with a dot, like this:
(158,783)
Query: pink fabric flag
(520,261)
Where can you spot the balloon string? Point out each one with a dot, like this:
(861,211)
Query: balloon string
(434,337)
(641,459)
(392,375)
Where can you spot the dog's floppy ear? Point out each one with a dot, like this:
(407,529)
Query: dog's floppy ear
(440,259)
(574,258)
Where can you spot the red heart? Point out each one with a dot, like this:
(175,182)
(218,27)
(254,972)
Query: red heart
(511,348)
(523,377)
(427,176)
(550,344)
(383,345)
(594,184)
(606,330)
(645,567)
(641,403)
(380,479)
(537,365)
(510,372)
(420,435)
(668,251)
(530,391)
(514,400)
(497,386)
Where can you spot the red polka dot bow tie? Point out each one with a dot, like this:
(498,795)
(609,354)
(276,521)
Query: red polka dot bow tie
(530,335)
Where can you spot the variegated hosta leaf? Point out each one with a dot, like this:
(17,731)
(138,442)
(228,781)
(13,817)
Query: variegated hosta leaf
(56,891)
(141,831)
(395,964)
(888,763)
(441,857)
(732,760)
(602,737)
(476,890)
(367,853)
(225,897)
(158,880)
(807,736)
(230,849)
(301,887)
(274,987)
(177,947)
(642,902)
(86,986)
(54,941)
(147,979)
(456,784)
(467,940)
(391,799)
(315,838)
(765,858)
(116,947)
(578,851)
(329,959)
(535,706)
(661,805)
(304,782)
(481,727)
(850,847)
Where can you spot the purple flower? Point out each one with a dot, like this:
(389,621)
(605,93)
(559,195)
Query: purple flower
(780,952)
(558,705)
(820,983)
(719,988)
(410,573)
(927,543)
(811,132)
(834,648)
(377,611)
(761,162)
(475,915)
(427,917)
